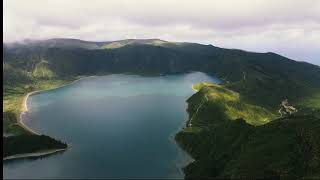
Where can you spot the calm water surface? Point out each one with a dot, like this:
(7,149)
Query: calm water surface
(119,126)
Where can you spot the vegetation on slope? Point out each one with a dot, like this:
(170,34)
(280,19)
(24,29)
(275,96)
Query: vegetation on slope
(227,143)
(29,144)
(253,75)
(13,95)
(228,104)
(235,133)
(17,84)
(312,101)
(42,70)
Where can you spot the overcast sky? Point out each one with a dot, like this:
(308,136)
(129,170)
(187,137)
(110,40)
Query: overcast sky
(288,27)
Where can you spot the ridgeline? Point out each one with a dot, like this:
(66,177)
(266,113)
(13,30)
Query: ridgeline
(234,130)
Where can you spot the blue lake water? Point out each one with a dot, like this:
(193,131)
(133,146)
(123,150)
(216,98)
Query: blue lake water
(119,126)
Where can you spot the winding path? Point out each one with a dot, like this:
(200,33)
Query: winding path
(202,102)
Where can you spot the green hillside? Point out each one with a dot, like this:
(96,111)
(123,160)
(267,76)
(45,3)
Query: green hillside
(230,138)
(16,84)
(254,75)
(234,130)
(227,105)
(43,70)
(29,143)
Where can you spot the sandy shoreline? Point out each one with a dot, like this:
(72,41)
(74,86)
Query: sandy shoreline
(25,106)
(24,126)
(24,110)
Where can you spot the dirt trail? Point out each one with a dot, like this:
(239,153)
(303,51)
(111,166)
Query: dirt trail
(201,104)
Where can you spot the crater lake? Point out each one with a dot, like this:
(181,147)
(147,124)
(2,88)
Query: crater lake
(118,126)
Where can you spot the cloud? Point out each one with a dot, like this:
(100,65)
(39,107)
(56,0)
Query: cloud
(288,27)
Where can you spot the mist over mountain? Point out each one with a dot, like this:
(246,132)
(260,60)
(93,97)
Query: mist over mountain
(71,57)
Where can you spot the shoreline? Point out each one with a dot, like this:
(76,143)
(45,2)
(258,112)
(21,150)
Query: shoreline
(194,89)
(28,129)
(25,106)
(35,154)
(184,157)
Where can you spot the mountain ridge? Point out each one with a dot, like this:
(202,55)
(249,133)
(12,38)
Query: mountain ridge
(244,70)
(254,85)
(75,43)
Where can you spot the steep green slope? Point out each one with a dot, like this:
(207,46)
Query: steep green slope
(16,84)
(43,70)
(13,95)
(234,130)
(254,75)
(225,144)
(29,144)
(14,75)
(227,104)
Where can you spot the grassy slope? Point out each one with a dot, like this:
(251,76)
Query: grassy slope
(42,69)
(263,80)
(312,101)
(13,96)
(230,104)
(17,84)
(225,141)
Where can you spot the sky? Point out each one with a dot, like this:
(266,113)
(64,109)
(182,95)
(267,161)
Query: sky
(287,27)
